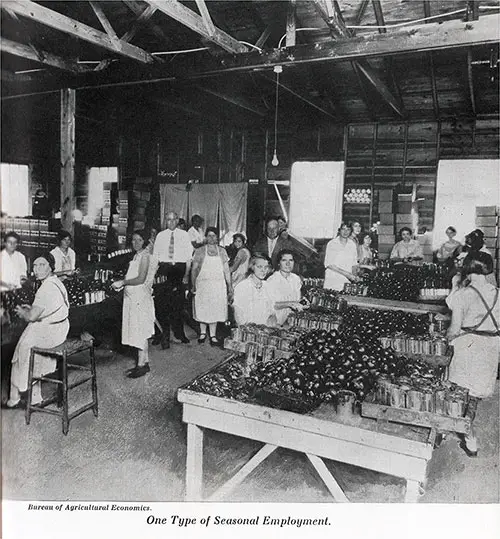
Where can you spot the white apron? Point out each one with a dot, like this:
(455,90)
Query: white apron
(344,260)
(210,300)
(138,305)
(48,332)
(476,355)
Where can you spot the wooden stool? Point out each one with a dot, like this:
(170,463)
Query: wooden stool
(61,353)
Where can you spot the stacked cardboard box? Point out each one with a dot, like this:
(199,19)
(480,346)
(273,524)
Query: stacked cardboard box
(386,238)
(141,195)
(488,220)
(98,239)
(33,232)
(120,219)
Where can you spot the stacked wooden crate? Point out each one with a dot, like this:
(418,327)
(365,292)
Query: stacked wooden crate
(120,219)
(487,220)
(386,237)
(141,195)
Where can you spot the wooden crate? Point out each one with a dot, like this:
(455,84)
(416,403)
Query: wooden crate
(387,239)
(441,423)
(486,221)
(385,207)
(404,219)
(386,219)
(384,230)
(487,210)
(386,195)
(238,346)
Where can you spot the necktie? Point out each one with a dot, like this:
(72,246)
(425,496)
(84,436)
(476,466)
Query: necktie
(171,248)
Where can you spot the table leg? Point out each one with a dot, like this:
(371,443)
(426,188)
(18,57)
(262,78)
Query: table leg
(328,479)
(412,491)
(194,463)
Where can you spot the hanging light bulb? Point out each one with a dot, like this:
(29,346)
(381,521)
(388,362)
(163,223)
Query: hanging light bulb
(275,162)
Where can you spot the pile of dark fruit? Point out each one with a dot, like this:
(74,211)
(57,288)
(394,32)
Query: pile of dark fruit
(400,283)
(373,323)
(20,296)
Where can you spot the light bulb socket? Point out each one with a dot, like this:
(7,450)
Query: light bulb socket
(275,162)
(278,69)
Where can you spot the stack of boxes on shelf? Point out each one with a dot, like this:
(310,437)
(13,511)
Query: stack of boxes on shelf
(120,220)
(34,233)
(141,195)
(386,237)
(98,239)
(488,220)
(105,214)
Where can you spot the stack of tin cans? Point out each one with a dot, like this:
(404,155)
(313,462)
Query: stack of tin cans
(436,346)
(422,395)
(355,289)
(311,321)
(264,336)
(317,283)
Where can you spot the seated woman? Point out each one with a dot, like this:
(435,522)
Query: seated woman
(252,301)
(285,287)
(48,327)
(474,332)
(408,249)
(449,247)
(64,255)
(211,286)
(239,267)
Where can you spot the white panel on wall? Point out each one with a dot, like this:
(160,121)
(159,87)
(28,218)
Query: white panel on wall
(463,184)
(316,194)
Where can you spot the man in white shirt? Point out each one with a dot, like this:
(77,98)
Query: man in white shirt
(407,249)
(196,232)
(174,251)
(13,269)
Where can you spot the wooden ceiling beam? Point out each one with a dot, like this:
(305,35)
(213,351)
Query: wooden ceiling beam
(46,58)
(238,101)
(192,20)
(101,16)
(430,56)
(143,16)
(417,39)
(360,13)
(379,15)
(470,80)
(264,36)
(47,17)
(330,11)
(205,15)
(291,27)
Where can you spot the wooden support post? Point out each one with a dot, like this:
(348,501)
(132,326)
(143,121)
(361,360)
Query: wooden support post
(194,464)
(68,108)
(291,37)
(412,490)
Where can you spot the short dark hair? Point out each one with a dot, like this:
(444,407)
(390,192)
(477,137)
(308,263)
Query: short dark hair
(195,218)
(239,236)
(49,257)
(406,229)
(62,235)
(453,229)
(475,240)
(213,229)
(342,225)
(12,234)
(142,233)
(269,219)
(477,262)
(284,252)
(363,236)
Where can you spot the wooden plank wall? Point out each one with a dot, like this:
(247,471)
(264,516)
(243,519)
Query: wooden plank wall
(386,155)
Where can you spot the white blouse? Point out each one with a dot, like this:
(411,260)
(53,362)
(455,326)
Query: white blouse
(64,262)
(252,304)
(284,289)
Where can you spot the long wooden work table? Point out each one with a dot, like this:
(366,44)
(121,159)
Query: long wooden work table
(394,449)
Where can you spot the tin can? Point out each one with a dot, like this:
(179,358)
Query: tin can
(439,401)
(454,407)
(414,399)
(345,404)
(398,396)
(268,354)
(427,403)
(236,334)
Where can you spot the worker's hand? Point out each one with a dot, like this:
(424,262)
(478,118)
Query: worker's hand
(185,279)
(12,286)
(117,285)
(21,310)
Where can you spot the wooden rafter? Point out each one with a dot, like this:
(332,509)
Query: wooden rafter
(471,82)
(379,15)
(53,19)
(264,36)
(291,34)
(46,58)
(361,11)
(330,11)
(234,100)
(205,15)
(99,12)
(192,20)
(144,14)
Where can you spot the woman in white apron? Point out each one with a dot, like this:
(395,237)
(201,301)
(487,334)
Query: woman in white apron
(340,259)
(48,327)
(138,305)
(211,286)
(475,333)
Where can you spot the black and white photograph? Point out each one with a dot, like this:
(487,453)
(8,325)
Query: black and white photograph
(250,256)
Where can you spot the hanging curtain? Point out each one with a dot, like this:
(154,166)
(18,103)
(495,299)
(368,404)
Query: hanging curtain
(204,201)
(172,198)
(463,184)
(316,195)
(233,208)
(14,184)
